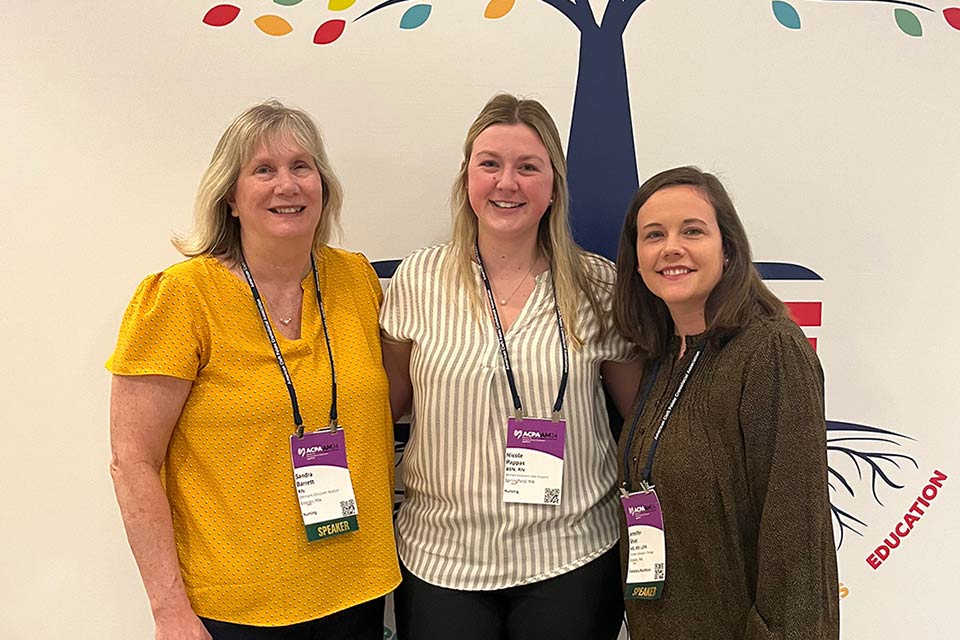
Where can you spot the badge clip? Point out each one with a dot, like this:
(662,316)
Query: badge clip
(299,431)
(333,426)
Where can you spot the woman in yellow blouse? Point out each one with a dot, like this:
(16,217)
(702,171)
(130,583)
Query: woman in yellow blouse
(245,379)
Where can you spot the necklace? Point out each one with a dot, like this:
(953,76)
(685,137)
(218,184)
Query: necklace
(504,301)
(285,321)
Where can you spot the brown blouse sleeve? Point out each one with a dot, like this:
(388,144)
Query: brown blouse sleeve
(784,431)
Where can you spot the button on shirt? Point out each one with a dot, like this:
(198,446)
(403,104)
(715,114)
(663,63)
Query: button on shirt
(454,530)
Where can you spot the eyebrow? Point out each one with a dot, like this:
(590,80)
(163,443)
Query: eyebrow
(685,221)
(523,158)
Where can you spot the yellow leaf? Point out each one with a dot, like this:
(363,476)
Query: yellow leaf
(273,25)
(340,5)
(498,9)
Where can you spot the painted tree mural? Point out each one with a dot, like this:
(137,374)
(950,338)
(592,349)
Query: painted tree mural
(603,177)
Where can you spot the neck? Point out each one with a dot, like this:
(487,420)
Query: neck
(504,254)
(688,322)
(276,261)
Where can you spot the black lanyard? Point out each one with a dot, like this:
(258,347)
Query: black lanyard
(648,467)
(517,406)
(297,420)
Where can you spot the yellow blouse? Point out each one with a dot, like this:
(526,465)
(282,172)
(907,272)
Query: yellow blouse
(240,537)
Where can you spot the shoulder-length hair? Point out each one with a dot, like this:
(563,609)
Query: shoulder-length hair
(215,231)
(568,262)
(738,297)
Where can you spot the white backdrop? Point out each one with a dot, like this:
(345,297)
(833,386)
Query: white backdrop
(838,140)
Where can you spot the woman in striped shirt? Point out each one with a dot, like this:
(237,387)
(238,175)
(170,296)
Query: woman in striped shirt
(509,526)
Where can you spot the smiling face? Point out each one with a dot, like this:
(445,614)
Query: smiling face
(679,249)
(279,193)
(509,180)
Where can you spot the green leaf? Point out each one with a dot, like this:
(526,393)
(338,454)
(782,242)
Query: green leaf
(908,22)
(786,14)
(415,16)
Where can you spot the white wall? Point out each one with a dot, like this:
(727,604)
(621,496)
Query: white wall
(839,142)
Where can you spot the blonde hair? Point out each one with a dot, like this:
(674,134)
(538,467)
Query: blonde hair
(568,261)
(215,231)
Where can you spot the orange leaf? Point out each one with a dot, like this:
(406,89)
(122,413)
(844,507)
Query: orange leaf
(498,8)
(273,25)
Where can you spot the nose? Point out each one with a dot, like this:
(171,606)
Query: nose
(672,247)
(506,181)
(286,182)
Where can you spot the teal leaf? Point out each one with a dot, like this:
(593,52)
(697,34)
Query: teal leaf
(287,3)
(908,22)
(415,16)
(786,14)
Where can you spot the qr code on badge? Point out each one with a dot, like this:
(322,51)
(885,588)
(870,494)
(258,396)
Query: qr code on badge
(348,508)
(658,571)
(551,496)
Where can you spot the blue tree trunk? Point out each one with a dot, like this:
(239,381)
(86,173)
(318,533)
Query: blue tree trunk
(602,159)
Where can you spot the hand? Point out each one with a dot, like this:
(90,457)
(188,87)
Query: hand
(185,626)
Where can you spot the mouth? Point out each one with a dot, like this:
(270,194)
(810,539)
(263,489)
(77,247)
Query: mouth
(676,272)
(286,210)
(503,204)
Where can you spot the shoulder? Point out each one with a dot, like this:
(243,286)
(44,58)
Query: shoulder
(424,262)
(180,279)
(598,267)
(777,345)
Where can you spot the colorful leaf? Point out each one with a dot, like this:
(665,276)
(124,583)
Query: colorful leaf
(786,14)
(908,22)
(415,16)
(221,15)
(340,5)
(273,25)
(287,3)
(952,16)
(498,8)
(329,31)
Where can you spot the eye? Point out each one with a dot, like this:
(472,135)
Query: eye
(262,170)
(487,164)
(302,166)
(653,235)
(693,231)
(529,168)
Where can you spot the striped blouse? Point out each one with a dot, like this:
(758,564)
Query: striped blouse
(454,530)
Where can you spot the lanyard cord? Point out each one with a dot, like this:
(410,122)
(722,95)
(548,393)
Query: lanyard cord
(648,467)
(505,355)
(297,419)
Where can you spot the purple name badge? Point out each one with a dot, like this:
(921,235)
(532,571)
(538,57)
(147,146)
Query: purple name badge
(322,482)
(533,462)
(646,555)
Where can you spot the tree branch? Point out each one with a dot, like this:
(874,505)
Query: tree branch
(577,11)
(905,4)
(382,5)
(619,13)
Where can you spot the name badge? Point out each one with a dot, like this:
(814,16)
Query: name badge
(533,469)
(647,555)
(322,481)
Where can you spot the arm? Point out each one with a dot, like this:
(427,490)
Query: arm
(396,360)
(143,413)
(622,380)
(784,431)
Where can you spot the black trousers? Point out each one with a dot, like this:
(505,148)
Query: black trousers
(583,604)
(361,622)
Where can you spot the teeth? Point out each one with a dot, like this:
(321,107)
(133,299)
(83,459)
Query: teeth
(506,205)
(675,272)
(287,209)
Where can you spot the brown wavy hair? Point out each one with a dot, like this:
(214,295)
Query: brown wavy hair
(738,297)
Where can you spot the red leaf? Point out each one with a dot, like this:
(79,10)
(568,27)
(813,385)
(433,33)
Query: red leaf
(952,14)
(221,15)
(329,31)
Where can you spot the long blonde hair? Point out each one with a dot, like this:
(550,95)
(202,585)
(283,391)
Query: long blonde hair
(215,231)
(568,261)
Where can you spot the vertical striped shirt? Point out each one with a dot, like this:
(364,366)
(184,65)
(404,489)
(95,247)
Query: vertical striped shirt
(454,530)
